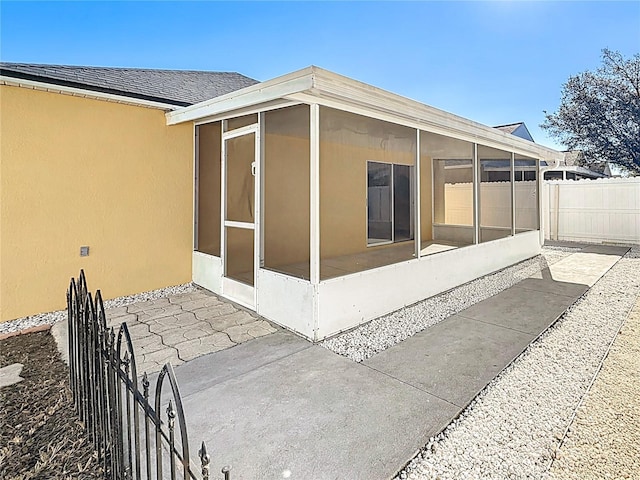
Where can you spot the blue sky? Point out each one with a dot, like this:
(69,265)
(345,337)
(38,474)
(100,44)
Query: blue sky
(492,62)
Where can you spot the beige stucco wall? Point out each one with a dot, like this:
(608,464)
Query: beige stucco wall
(209,138)
(426,214)
(286,201)
(343,193)
(76,172)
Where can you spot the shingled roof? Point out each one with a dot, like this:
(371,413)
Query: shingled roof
(510,128)
(518,129)
(174,87)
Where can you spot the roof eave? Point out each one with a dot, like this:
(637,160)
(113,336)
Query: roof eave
(424,116)
(280,87)
(316,85)
(46,86)
(577,169)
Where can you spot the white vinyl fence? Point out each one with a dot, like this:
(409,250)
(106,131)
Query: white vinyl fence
(606,210)
(495,204)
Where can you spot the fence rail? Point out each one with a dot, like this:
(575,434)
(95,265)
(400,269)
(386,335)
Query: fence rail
(131,438)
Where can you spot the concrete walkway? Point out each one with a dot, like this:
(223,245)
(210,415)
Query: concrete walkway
(279,407)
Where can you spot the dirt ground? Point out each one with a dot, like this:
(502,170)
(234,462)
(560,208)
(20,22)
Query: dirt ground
(604,440)
(40,435)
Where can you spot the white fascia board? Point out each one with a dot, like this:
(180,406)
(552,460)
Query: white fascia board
(79,92)
(259,93)
(262,107)
(576,169)
(316,85)
(331,86)
(450,129)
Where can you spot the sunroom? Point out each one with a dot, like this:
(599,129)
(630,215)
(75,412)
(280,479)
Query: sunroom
(322,202)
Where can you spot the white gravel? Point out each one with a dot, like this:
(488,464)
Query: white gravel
(50,318)
(512,429)
(384,332)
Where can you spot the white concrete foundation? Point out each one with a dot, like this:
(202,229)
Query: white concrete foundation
(348,301)
(338,304)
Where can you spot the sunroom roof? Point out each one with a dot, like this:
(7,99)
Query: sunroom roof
(314,85)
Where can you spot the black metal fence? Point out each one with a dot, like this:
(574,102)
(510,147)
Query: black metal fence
(131,438)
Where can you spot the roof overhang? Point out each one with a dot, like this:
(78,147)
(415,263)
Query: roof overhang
(245,98)
(80,92)
(577,169)
(314,85)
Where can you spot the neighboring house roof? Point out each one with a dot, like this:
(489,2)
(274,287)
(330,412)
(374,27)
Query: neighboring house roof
(612,169)
(570,162)
(499,165)
(518,129)
(174,87)
(508,128)
(579,171)
(573,157)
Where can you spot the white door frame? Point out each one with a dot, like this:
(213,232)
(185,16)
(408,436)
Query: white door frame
(233,289)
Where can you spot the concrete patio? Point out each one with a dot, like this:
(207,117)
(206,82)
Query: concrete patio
(280,407)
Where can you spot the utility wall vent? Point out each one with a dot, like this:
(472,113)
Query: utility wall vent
(84,251)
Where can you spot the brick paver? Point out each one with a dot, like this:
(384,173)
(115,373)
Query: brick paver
(180,328)
(38,328)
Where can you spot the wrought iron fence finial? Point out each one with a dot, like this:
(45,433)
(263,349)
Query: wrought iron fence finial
(171,414)
(204,460)
(145,385)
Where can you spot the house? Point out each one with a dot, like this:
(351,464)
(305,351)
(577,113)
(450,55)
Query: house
(87,160)
(566,169)
(519,129)
(573,172)
(615,170)
(316,200)
(571,168)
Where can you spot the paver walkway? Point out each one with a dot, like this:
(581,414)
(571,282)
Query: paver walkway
(279,407)
(178,328)
(10,374)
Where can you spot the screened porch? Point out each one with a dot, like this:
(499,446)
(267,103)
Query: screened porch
(387,193)
(322,203)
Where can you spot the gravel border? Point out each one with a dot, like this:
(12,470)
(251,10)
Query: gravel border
(514,426)
(50,318)
(381,333)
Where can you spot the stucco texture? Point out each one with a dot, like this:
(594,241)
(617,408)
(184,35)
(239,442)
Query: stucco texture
(76,171)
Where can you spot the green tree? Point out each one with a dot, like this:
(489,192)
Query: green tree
(599,112)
